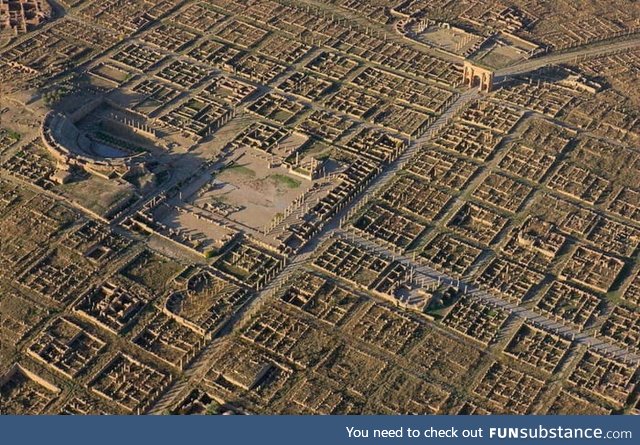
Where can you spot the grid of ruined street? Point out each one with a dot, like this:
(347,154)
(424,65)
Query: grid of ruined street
(319,207)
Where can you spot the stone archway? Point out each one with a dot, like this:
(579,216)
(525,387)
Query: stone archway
(475,76)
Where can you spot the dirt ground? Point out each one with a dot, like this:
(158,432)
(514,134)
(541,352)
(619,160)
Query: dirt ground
(260,192)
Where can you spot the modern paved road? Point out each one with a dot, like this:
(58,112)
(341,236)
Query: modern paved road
(569,56)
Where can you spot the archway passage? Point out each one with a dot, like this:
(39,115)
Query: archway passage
(475,76)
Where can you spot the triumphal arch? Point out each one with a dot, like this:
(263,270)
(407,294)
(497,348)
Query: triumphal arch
(474,75)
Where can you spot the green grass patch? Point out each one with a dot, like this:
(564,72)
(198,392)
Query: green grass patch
(232,270)
(117,142)
(240,169)
(614,297)
(285,181)
(212,252)
(14,135)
